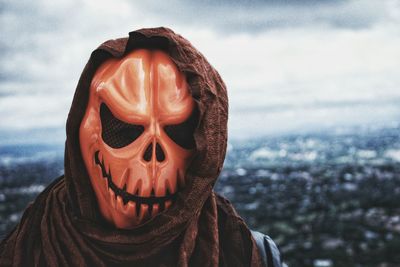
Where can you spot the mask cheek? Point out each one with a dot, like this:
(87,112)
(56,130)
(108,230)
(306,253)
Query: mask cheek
(178,160)
(89,137)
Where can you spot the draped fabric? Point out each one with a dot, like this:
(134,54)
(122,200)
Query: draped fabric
(63,226)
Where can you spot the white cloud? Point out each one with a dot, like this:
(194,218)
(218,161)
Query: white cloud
(290,79)
(34,111)
(316,67)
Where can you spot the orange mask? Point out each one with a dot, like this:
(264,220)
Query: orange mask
(136,136)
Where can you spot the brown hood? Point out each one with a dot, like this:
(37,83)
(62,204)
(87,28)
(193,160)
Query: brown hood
(199,229)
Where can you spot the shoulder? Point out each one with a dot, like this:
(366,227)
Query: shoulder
(268,250)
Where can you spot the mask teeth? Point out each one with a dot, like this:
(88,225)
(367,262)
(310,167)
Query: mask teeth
(150,209)
(155,209)
(143,211)
(138,209)
(103,168)
(120,203)
(109,173)
(168,188)
(121,183)
(108,170)
(137,191)
(113,197)
(96,157)
(124,199)
(136,188)
(131,208)
(101,157)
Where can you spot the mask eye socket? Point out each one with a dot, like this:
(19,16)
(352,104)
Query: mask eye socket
(115,132)
(182,134)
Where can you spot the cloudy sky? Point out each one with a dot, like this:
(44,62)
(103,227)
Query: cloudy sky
(289,65)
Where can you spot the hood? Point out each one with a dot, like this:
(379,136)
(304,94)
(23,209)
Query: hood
(209,92)
(63,226)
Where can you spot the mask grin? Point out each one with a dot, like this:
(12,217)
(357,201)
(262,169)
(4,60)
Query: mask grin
(136,198)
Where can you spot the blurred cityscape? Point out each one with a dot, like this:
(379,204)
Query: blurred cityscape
(327,199)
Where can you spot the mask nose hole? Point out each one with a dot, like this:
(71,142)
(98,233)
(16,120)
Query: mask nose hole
(159,153)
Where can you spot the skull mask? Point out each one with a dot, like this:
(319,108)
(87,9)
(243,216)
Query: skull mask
(136,136)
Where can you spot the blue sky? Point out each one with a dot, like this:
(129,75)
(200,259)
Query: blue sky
(289,65)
